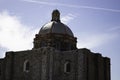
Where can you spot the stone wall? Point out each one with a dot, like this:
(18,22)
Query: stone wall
(49,64)
(1,69)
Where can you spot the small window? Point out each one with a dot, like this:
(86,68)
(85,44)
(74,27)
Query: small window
(67,67)
(26,66)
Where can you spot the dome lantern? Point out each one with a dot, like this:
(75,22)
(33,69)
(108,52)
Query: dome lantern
(56,15)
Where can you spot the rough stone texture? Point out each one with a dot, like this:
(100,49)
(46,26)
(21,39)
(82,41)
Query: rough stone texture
(48,64)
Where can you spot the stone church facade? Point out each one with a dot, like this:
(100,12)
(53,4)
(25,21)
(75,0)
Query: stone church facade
(54,57)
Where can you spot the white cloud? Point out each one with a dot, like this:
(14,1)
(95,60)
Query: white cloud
(14,35)
(95,40)
(66,19)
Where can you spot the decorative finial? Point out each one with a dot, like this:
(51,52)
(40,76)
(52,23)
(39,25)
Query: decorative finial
(56,15)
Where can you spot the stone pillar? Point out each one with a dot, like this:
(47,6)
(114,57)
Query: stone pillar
(9,66)
(107,68)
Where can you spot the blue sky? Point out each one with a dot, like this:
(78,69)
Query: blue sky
(95,23)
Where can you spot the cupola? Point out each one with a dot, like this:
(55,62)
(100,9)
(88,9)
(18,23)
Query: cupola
(55,34)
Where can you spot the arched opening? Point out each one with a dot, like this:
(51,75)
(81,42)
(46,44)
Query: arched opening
(67,67)
(26,66)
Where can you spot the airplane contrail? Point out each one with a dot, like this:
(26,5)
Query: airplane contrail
(70,5)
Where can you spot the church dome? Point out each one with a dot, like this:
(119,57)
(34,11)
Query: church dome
(55,27)
(55,34)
